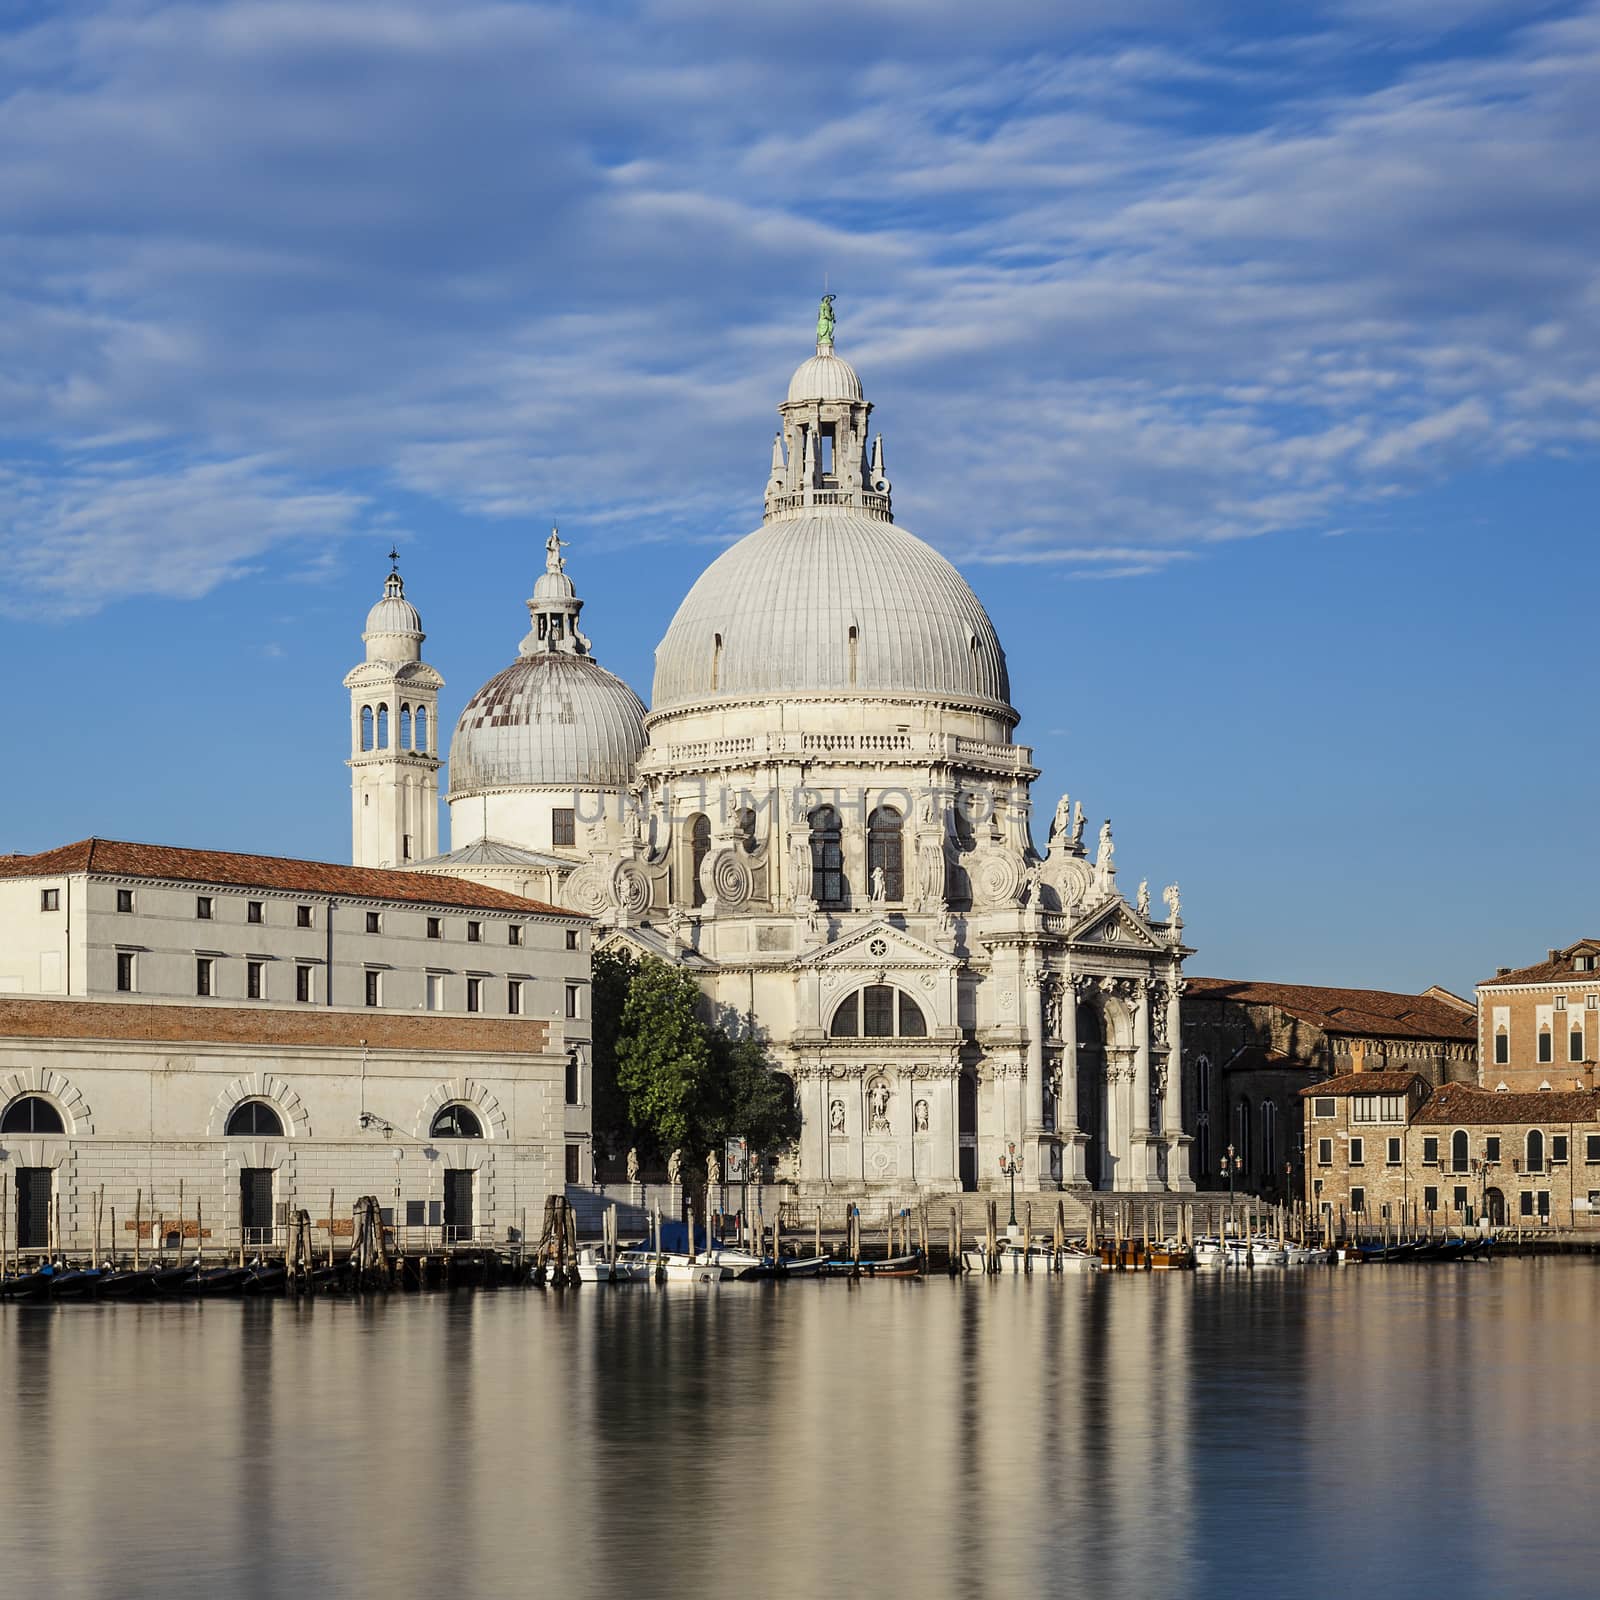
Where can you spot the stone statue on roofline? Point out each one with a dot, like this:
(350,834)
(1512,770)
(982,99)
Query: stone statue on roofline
(1174,905)
(1144,897)
(1061,823)
(1077,827)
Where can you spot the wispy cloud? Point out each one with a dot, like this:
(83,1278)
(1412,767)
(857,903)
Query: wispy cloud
(1123,283)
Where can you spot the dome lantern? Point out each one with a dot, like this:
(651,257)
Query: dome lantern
(553,607)
(394,626)
(822,457)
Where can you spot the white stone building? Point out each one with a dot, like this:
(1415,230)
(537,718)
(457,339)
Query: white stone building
(824,814)
(262,1032)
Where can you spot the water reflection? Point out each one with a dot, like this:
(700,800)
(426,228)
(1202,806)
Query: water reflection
(1393,1429)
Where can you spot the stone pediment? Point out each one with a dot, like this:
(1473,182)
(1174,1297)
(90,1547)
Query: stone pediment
(1117,926)
(878,947)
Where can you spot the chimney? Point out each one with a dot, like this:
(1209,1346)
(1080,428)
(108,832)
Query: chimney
(1554,955)
(1500,972)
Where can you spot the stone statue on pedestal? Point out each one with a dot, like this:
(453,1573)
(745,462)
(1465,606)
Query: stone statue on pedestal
(633,1166)
(1144,897)
(675,1167)
(713,1170)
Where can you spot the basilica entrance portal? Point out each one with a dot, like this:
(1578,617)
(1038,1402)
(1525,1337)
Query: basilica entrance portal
(1092,1093)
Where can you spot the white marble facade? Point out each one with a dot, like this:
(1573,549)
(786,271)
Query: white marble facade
(825,816)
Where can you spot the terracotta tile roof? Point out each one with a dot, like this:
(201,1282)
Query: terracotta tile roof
(276,1027)
(1465,1102)
(1365,1083)
(1554,969)
(116,858)
(1365,1013)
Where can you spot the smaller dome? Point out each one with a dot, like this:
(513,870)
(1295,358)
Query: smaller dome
(824,377)
(394,625)
(554,586)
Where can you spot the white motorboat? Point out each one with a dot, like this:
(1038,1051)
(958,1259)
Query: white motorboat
(1268,1253)
(1209,1254)
(1011,1257)
(631,1266)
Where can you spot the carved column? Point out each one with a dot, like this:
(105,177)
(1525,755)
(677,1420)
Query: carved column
(1143,1175)
(1072,1137)
(1177,1141)
(1035,1145)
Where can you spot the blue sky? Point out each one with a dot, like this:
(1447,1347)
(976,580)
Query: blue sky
(1245,358)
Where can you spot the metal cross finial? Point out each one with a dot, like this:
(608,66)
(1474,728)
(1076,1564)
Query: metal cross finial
(394,558)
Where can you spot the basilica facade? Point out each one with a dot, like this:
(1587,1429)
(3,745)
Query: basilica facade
(824,815)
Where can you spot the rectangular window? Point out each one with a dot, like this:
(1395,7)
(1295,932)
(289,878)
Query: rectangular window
(1559,1003)
(202,907)
(49,899)
(302,916)
(416,1213)
(474,994)
(405,847)
(252,911)
(1430,1151)
(1558,1149)
(125,971)
(1575,1045)
(203,974)
(474,933)
(1591,1147)
(374,988)
(254,979)
(572,1163)
(1591,1002)
(572,938)
(302,983)
(563,825)
(574,1087)
(1544,1205)
(435,989)
(1358,1199)
(514,933)
(1394,1153)
(435,928)
(573,1000)
(1392,1108)
(1502,1049)
(1491,1147)
(124,899)
(1430,1199)
(1460,1198)
(1364,1108)
(1526,1206)
(374,922)
(514,998)
(1357,1152)
(1324,1152)
(1545,1041)
(1323,1106)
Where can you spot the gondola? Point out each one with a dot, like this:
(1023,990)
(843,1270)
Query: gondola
(28,1285)
(263,1279)
(170,1280)
(124,1285)
(220,1280)
(909,1266)
(82,1283)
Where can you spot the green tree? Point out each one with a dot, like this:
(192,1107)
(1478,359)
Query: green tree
(749,1099)
(611,977)
(664,1059)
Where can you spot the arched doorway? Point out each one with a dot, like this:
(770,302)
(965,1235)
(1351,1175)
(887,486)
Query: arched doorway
(1495,1203)
(1092,1092)
(967,1129)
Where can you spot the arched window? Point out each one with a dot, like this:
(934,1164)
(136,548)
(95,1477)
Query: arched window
(456,1122)
(1535,1150)
(716,661)
(1242,1138)
(884,851)
(254,1119)
(1458,1150)
(699,849)
(827,857)
(31,1114)
(1269,1138)
(366,727)
(421,727)
(383,727)
(405,727)
(854,641)
(879,1011)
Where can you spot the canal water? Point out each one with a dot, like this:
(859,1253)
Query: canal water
(1368,1432)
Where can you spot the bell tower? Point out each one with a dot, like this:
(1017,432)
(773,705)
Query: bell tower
(394,737)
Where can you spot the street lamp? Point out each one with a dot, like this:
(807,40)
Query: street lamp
(1008,1169)
(1232,1163)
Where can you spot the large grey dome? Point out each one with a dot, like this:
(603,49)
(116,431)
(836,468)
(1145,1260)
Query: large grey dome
(773,615)
(550,719)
